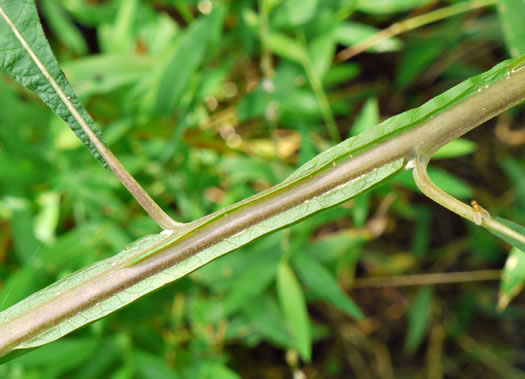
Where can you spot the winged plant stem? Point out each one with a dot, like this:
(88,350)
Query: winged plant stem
(149,205)
(417,143)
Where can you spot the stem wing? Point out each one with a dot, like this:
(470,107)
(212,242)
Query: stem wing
(112,272)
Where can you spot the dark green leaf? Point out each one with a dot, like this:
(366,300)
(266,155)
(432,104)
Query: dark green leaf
(321,282)
(419,318)
(188,54)
(249,285)
(367,118)
(21,17)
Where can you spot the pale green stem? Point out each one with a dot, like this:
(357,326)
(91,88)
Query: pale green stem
(441,197)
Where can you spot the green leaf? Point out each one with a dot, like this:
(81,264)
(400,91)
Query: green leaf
(341,73)
(422,232)
(367,118)
(294,12)
(512,278)
(69,246)
(217,370)
(511,13)
(457,148)
(249,285)
(60,357)
(321,51)
(63,27)
(265,316)
(188,54)
(418,319)
(420,55)
(351,33)
(509,239)
(151,366)
(118,37)
(25,56)
(293,305)
(106,72)
(286,47)
(321,282)
(22,221)
(107,355)
(389,6)
(91,14)
(46,220)
(361,210)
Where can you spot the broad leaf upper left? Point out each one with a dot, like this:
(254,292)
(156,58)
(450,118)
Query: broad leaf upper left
(22,43)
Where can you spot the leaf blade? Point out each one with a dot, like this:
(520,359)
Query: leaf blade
(293,305)
(512,278)
(27,58)
(419,318)
(511,17)
(323,284)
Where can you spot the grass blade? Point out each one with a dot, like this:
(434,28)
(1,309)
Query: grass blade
(294,306)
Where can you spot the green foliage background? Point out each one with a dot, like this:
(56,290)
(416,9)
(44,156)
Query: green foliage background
(207,103)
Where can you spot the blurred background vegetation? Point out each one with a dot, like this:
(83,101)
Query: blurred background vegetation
(208,102)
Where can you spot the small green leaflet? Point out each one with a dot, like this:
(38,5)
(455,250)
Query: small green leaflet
(25,56)
(512,278)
